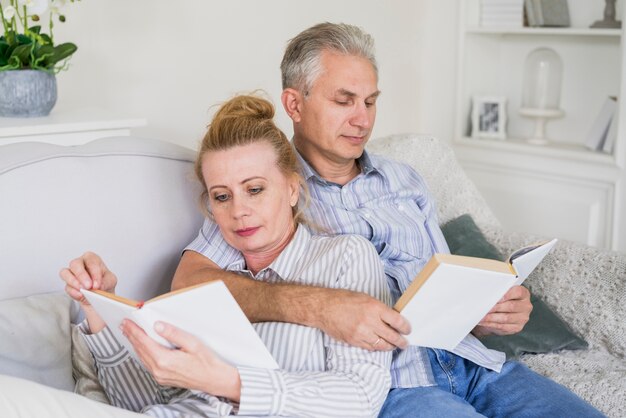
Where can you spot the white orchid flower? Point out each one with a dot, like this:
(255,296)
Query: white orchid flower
(35,7)
(9,12)
(57,6)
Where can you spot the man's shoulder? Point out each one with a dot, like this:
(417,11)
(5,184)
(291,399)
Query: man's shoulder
(389,166)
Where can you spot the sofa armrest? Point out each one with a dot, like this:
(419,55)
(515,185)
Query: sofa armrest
(585,285)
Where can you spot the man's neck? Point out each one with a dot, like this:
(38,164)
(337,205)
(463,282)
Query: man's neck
(331,171)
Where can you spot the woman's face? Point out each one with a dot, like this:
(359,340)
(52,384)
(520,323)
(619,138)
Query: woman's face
(250,198)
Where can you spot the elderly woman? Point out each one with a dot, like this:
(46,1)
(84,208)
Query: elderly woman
(252,187)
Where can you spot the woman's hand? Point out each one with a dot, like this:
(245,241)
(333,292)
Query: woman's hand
(192,366)
(88,272)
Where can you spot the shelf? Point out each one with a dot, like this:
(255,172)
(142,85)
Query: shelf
(552,150)
(543,31)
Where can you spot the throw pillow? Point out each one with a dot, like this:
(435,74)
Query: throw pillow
(545,332)
(35,343)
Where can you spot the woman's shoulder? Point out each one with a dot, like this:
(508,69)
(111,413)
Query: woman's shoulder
(348,244)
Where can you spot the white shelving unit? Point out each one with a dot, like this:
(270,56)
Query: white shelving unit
(67,127)
(561,189)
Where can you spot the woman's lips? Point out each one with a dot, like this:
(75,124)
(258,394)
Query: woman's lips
(246,232)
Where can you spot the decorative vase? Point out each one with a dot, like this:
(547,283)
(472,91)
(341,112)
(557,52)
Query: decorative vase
(27,93)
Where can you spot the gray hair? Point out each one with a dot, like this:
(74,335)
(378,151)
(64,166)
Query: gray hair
(301,65)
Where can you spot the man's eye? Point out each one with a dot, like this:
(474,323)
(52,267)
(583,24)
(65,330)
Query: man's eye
(342,102)
(370,104)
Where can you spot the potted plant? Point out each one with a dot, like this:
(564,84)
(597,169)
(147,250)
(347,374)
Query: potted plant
(29,59)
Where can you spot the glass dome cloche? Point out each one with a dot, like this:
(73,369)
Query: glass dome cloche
(541,91)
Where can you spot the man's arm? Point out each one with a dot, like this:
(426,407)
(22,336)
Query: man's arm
(345,315)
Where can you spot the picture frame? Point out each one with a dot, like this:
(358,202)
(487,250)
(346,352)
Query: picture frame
(489,117)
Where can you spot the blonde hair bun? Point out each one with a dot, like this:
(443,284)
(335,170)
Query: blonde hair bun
(245,106)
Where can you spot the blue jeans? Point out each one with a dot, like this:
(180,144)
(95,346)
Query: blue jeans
(467,390)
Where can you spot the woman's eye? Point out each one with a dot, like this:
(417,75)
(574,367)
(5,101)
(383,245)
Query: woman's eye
(255,190)
(221,197)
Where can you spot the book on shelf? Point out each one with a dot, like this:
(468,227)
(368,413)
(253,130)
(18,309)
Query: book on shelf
(505,13)
(611,133)
(453,293)
(207,311)
(597,135)
(547,13)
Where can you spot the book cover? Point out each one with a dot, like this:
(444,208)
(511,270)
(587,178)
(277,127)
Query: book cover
(611,134)
(596,136)
(207,311)
(452,293)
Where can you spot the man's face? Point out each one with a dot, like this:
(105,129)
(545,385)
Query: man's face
(336,118)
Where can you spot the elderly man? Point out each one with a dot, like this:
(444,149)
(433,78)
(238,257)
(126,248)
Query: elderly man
(330,84)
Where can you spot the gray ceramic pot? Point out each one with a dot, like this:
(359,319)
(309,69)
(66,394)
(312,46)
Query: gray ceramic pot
(27,93)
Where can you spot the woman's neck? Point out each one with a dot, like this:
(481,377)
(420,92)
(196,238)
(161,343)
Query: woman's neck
(258,260)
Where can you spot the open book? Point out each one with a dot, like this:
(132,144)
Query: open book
(452,293)
(208,311)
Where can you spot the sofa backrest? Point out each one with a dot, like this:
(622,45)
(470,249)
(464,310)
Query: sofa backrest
(133,201)
(455,194)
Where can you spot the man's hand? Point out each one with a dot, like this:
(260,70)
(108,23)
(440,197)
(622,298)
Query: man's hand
(192,366)
(362,321)
(509,315)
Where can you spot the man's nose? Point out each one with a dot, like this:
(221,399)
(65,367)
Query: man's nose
(362,116)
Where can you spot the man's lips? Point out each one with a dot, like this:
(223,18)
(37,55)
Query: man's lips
(246,232)
(355,139)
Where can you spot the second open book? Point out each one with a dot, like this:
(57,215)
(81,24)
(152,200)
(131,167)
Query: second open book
(207,311)
(453,293)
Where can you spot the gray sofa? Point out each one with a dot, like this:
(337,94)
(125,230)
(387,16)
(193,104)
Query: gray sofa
(134,201)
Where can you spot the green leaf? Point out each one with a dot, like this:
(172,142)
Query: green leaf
(46,39)
(22,54)
(35,29)
(61,52)
(4,48)
(23,39)
(43,56)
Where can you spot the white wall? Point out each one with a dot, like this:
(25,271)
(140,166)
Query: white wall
(170,62)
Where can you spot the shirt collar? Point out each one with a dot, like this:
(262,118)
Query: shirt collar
(284,264)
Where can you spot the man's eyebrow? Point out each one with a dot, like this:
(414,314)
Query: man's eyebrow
(351,94)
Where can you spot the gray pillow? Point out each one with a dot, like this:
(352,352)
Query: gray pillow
(545,332)
(36,341)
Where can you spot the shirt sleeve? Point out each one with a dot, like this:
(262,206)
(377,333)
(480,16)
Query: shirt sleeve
(212,245)
(127,384)
(355,382)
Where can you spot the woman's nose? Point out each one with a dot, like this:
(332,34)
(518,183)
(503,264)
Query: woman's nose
(239,207)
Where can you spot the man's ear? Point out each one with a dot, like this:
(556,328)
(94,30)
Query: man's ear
(292,102)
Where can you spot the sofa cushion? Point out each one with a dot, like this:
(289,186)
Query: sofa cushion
(545,331)
(36,342)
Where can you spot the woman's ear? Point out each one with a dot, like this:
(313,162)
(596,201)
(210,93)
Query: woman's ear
(292,99)
(294,190)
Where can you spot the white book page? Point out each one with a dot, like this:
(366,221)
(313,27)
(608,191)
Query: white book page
(210,313)
(113,313)
(451,303)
